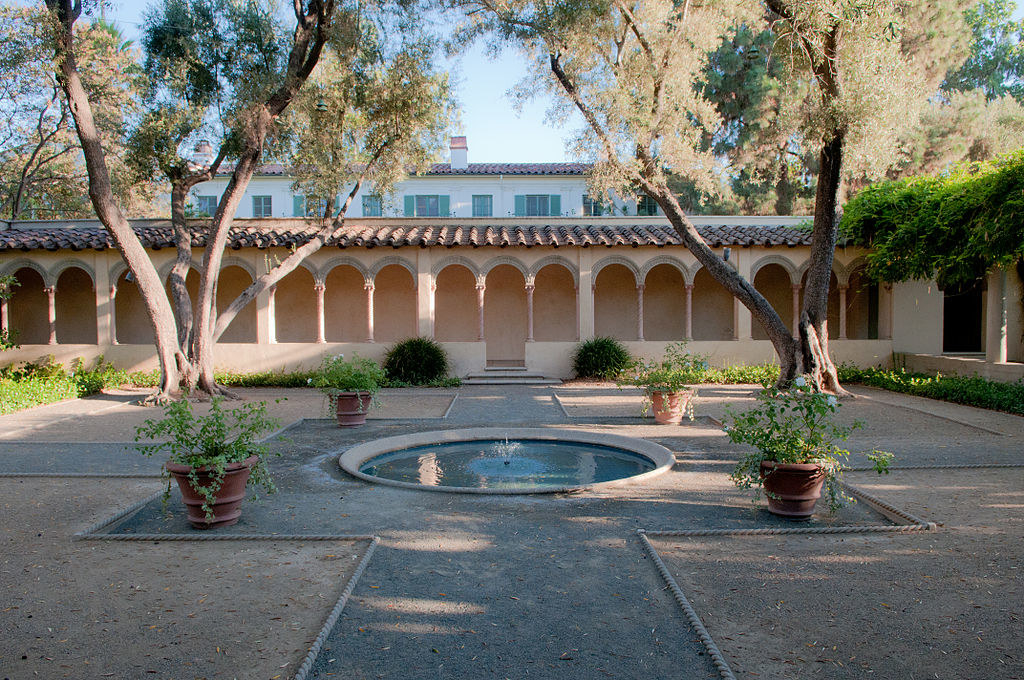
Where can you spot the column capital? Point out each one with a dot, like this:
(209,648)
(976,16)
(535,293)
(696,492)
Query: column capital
(796,287)
(319,287)
(639,287)
(688,286)
(50,290)
(113,289)
(480,285)
(844,286)
(530,287)
(368,286)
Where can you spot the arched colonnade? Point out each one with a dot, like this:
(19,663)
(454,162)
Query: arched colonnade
(502,301)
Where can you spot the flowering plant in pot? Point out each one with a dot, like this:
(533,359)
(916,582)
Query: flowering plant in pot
(667,382)
(351,386)
(213,457)
(795,453)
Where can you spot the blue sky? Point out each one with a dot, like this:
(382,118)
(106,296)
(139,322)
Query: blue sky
(495,132)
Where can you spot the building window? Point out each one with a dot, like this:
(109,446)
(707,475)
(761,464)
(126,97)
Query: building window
(206,205)
(483,206)
(372,206)
(592,207)
(261,206)
(646,207)
(421,205)
(538,205)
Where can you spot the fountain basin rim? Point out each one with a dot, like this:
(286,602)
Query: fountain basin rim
(351,460)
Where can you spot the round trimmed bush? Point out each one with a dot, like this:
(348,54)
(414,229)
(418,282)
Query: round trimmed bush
(601,358)
(416,361)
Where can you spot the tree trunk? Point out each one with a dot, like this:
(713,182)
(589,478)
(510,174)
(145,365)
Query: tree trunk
(817,363)
(158,309)
(760,309)
(182,264)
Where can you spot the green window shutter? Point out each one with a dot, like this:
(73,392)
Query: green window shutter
(337,203)
(554,205)
(443,205)
(299,206)
(520,205)
(410,206)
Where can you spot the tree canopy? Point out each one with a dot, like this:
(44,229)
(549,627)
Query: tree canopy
(954,227)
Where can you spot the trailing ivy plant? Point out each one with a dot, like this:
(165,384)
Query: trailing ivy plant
(210,441)
(955,227)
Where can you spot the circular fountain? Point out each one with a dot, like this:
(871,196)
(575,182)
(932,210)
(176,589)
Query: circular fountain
(506,460)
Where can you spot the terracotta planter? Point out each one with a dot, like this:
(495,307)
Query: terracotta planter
(669,407)
(351,408)
(792,489)
(227,505)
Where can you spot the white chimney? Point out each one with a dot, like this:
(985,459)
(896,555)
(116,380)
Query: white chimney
(460,153)
(203,155)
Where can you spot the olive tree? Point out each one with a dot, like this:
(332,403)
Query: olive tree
(629,68)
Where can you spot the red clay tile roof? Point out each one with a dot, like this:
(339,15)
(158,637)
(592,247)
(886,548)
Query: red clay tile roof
(278,170)
(284,233)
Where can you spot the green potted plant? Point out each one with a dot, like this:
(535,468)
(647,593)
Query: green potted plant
(351,386)
(213,457)
(667,382)
(795,452)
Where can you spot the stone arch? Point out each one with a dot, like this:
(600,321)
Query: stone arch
(239,262)
(59,268)
(843,274)
(616,311)
(233,280)
(164,272)
(394,302)
(75,305)
(774,281)
(555,313)
(505,260)
(713,317)
(24,263)
(295,306)
(669,260)
(615,259)
(832,309)
(456,317)
(801,271)
(454,259)
(555,260)
(505,312)
(390,260)
(28,308)
(342,261)
(794,272)
(345,312)
(664,301)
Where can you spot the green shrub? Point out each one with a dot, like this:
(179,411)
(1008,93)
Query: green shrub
(973,391)
(265,379)
(416,361)
(600,358)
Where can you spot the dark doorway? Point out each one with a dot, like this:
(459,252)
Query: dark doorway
(962,319)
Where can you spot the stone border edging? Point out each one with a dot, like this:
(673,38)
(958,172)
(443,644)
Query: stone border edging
(915,525)
(691,614)
(451,405)
(351,459)
(93,475)
(332,618)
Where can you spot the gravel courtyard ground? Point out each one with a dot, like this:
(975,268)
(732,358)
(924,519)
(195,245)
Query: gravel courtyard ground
(510,587)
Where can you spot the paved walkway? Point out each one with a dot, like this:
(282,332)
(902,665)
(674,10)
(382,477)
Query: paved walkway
(514,587)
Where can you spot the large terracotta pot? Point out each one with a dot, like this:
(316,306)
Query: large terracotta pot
(669,407)
(792,489)
(227,505)
(351,408)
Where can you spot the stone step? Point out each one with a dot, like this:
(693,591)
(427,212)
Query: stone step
(504,376)
(511,381)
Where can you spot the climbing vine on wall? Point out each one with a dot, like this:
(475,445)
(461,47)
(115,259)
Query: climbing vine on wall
(955,227)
